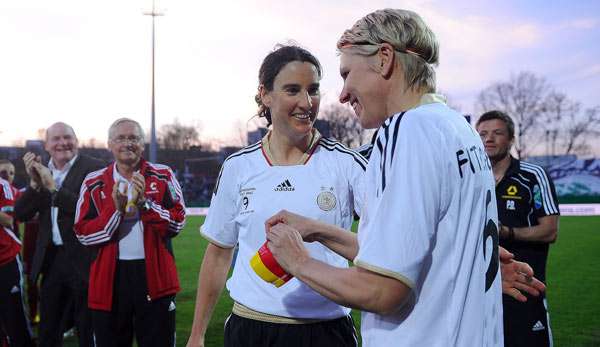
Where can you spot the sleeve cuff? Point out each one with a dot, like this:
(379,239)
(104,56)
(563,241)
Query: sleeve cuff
(385,272)
(211,240)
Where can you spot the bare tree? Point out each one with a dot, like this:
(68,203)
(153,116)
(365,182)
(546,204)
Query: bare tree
(19,142)
(91,143)
(178,136)
(342,124)
(240,136)
(523,98)
(567,125)
(579,131)
(542,115)
(41,134)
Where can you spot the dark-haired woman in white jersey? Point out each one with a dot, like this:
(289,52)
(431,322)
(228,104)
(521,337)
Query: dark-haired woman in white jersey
(291,168)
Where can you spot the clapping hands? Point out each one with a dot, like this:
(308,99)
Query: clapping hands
(40,176)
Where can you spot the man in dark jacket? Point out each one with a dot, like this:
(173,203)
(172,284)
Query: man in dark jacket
(529,217)
(59,257)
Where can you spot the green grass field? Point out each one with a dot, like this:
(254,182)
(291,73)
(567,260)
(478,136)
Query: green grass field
(573,284)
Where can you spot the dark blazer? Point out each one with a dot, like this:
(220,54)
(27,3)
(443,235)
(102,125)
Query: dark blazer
(32,202)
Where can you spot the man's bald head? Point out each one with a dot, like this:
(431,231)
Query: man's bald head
(62,126)
(61,143)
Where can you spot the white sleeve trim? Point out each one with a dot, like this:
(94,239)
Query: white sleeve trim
(549,203)
(103,235)
(385,272)
(212,240)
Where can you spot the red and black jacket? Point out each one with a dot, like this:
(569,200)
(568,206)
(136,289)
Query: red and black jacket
(97,222)
(9,242)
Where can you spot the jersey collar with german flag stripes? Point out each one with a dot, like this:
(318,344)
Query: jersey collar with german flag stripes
(316,136)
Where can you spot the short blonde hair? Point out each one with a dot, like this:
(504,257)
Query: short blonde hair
(415,44)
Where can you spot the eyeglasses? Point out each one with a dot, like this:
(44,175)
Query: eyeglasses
(134,140)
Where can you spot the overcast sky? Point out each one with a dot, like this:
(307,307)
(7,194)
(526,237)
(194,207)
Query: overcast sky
(88,62)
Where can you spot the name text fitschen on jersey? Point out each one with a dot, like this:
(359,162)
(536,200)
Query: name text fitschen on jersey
(475,157)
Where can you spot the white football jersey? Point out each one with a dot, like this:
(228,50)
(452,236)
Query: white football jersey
(430,221)
(249,191)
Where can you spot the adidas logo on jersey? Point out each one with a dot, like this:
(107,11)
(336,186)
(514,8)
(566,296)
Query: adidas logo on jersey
(284,186)
(538,326)
(14,289)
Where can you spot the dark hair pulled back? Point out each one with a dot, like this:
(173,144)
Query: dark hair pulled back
(272,65)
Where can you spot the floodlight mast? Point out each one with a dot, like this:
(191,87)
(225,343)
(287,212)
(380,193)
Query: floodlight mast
(153,145)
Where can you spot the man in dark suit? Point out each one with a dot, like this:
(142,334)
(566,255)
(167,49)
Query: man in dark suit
(60,258)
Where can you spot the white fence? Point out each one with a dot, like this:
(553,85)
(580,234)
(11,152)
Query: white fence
(579,209)
(565,210)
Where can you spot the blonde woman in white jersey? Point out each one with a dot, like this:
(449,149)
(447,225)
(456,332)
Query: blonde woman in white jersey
(292,167)
(427,267)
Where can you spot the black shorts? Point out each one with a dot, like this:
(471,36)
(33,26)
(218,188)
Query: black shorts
(526,323)
(242,332)
(152,322)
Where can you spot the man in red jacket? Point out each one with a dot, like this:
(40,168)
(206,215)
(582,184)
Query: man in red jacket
(7,172)
(128,213)
(13,319)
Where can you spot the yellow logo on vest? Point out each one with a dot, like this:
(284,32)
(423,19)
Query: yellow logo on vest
(512,190)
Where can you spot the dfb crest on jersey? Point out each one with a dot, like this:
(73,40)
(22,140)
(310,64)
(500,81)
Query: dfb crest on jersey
(326,200)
